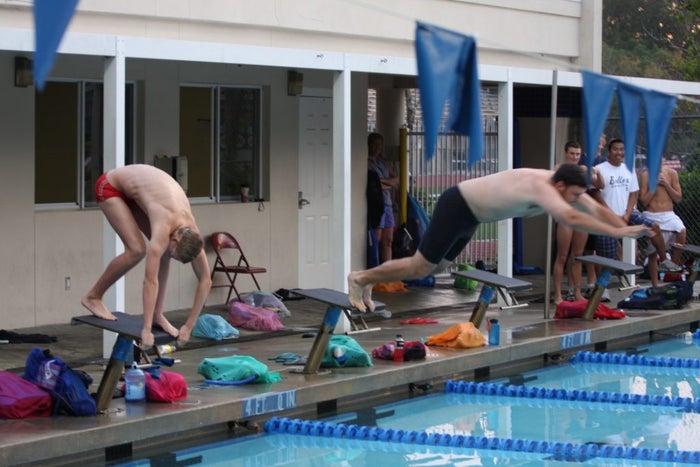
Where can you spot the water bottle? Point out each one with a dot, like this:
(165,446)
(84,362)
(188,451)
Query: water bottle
(166,349)
(495,332)
(339,355)
(398,348)
(135,385)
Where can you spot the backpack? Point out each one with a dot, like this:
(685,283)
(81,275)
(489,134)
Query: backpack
(68,388)
(666,297)
(21,399)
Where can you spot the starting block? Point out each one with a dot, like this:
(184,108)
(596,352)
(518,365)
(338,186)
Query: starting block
(609,266)
(693,250)
(340,300)
(504,285)
(128,328)
(337,302)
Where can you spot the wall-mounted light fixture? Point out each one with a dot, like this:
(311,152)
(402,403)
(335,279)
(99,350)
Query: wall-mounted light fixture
(23,72)
(295,83)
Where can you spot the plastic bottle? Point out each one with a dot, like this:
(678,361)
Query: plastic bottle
(166,349)
(135,387)
(398,348)
(495,332)
(339,355)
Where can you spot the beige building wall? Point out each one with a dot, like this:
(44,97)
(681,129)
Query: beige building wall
(41,247)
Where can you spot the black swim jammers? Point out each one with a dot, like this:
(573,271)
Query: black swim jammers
(451,227)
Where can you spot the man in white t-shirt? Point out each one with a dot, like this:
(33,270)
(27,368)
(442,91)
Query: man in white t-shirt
(620,194)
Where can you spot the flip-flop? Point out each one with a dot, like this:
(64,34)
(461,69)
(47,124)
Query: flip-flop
(297,361)
(420,321)
(284,357)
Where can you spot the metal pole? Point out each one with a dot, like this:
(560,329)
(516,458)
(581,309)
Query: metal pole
(552,151)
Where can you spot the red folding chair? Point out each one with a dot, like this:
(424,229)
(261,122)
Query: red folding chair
(237,262)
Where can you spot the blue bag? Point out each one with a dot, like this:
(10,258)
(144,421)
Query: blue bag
(68,388)
(215,327)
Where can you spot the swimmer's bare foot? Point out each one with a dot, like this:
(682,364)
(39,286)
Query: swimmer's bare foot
(97,308)
(355,293)
(162,323)
(367,297)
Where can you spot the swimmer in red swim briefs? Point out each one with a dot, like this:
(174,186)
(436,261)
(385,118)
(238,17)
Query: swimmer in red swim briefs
(140,200)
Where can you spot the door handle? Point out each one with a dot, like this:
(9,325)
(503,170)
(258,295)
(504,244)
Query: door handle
(301,201)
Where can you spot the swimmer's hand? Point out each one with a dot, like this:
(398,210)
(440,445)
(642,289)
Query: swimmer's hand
(635,231)
(147,339)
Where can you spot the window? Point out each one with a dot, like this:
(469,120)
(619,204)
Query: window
(220,134)
(68,141)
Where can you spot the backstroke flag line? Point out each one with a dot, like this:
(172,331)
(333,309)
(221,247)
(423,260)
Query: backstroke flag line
(447,70)
(598,91)
(51,18)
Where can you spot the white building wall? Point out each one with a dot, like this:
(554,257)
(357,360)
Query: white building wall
(41,248)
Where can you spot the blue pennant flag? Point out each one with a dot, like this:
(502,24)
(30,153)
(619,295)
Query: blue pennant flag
(597,96)
(630,99)
(658,108)
(51,18)
(447,70)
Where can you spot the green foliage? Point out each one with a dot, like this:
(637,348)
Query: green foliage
(651,38)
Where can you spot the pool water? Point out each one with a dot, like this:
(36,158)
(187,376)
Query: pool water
(470,426)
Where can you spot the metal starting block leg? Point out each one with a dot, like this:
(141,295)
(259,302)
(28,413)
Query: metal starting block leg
(608,265)
(504,285)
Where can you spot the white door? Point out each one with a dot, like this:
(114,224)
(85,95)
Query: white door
(315,193)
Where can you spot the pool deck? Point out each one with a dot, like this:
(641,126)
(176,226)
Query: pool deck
(109,436)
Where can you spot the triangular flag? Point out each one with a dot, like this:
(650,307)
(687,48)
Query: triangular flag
(630,99)
(447,70)
(51,18)
(658,108)
(597,95)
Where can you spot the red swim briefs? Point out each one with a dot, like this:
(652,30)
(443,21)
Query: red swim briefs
(103,190)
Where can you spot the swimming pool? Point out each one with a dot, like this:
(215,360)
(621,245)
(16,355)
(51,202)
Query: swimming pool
(624,408)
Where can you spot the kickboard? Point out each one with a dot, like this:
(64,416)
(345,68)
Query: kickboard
(333,297)
(618,266)
(126,325)
(496,280)
(692,249)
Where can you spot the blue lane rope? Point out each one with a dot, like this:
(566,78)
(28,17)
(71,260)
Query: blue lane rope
(556,449)
(534,392)
(623,359)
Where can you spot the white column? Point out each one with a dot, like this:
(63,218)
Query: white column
(114,111)
(505,162)
(342,161)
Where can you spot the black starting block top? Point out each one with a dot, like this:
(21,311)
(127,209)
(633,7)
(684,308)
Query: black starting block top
(496,280)
(619,267)
(126,325)
(333,297)
(692,249)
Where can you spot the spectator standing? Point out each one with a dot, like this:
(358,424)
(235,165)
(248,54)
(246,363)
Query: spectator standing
(570,242)
(390,181)
(620,194)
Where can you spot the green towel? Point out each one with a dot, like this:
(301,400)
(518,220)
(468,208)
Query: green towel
(236,368)
(344,351)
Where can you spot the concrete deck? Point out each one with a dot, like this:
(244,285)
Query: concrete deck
(127,428)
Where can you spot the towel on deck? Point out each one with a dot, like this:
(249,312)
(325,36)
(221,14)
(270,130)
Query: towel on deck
(460,335)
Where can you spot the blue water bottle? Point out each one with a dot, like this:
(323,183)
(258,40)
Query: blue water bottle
(135,387)
(495,332)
